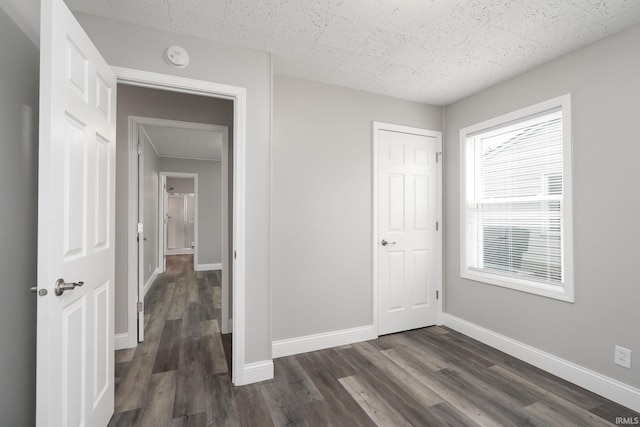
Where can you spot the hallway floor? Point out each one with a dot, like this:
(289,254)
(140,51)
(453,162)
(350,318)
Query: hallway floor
(176,375)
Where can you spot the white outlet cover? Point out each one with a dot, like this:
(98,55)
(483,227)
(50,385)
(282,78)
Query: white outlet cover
(622,357)
(177,56)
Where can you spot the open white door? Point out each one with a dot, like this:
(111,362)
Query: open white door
(407,244)
(76,218)
(141,233)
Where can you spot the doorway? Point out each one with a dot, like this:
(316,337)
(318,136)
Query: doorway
(180,222)
(177,162)
(235,212)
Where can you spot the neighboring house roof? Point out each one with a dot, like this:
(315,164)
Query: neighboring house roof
(528,133)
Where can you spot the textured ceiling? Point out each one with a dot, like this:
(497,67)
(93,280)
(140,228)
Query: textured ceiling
(433,51)
(185,143)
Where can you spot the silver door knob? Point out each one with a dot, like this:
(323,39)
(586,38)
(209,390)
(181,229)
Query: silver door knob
(385,243)
(61,286)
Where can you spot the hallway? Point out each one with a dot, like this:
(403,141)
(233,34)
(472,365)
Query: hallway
(176,375)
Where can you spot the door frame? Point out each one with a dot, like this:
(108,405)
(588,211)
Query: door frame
(238,95)
(134,121)
(379,126)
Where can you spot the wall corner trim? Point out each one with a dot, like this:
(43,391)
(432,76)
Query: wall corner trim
(257,371)
(604,386)
(291,346)
(121,341)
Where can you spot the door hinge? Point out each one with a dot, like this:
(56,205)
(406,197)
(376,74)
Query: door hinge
(139,150)
(438,155)
(140,228)
(437,294)
(140,307)
(437,226)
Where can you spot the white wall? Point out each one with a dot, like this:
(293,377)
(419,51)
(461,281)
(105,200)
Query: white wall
(19,223)
(603,81)
(209,205)
(322,202)
(132,46)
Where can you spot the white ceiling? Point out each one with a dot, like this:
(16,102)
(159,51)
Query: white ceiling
(433,51)
(185,143)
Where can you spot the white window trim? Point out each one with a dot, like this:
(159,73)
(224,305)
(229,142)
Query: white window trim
(565,292)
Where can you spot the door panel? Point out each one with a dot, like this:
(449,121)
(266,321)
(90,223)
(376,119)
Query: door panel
(407,212)
(101,168)
(421,198)
(396,202)
(396,280)
(76,216)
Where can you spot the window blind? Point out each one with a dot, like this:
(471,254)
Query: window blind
(514,206)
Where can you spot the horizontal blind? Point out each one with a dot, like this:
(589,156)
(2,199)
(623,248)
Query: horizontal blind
(514,217)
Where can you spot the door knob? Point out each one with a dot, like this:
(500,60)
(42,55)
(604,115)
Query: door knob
(385,243)
(61,286)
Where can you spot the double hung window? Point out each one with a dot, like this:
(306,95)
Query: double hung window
(516,200)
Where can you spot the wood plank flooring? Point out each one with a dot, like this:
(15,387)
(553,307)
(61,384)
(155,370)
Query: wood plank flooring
(180,376)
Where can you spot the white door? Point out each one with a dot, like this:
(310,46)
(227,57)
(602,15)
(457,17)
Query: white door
(162,231)
(407,243)
(75,381)
(141,233)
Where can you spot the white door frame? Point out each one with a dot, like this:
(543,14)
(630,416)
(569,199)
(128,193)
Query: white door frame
(238,96)
(378,126)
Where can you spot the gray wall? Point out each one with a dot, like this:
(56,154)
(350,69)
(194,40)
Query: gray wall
(138,101)
(322,202)
(18,229)
(603,81)
(141,48)
(209,204)
(151,177)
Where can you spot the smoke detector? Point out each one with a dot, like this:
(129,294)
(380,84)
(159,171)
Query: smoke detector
(177,56)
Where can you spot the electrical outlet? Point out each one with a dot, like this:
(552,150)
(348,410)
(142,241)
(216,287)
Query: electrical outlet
(622,357)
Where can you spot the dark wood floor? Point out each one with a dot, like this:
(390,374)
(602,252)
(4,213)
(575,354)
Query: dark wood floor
(426,377)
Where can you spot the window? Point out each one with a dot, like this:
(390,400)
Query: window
(516,200)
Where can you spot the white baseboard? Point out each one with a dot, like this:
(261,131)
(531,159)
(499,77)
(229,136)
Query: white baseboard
(607,387)
(258,371)
(229,327)
(121,341)
(179,252)
(209,267)
(149,282)
(315,342)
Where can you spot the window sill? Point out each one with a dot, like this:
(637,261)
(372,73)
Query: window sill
(561,293)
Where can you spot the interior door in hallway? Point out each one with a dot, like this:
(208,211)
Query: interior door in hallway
(407,193)
(76,217)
